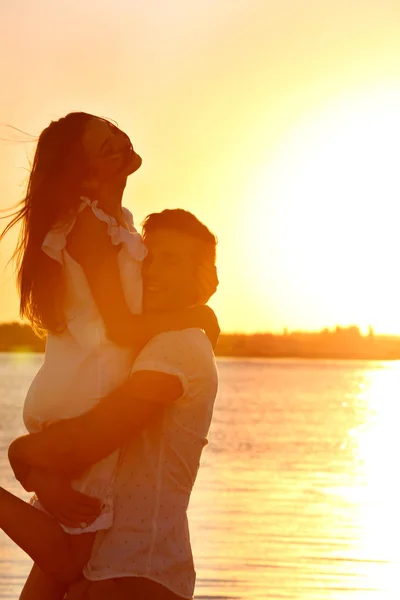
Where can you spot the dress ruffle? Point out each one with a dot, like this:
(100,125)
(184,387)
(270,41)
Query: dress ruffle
(56,240)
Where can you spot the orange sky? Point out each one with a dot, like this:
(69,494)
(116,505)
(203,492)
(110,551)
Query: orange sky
(276,123)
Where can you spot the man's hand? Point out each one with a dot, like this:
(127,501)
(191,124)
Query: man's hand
(65,504)
(54,448)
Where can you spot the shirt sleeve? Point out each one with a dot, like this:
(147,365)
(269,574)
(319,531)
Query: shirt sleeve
(176,353)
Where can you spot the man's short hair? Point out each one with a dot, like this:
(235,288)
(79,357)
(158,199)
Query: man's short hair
(177,219)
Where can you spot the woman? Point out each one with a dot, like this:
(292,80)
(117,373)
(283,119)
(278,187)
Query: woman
(79,271)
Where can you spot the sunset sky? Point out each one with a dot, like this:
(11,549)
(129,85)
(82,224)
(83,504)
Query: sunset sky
(276,122)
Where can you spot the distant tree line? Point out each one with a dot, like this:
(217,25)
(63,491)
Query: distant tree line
(19,337)
(341,342)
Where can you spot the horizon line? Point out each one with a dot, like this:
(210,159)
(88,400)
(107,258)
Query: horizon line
(282,331)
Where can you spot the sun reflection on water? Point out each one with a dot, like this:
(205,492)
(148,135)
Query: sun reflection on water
(377,452)
(297,495)
(311,512)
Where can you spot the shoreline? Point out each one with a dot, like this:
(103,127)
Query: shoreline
(282,357)
(337,344)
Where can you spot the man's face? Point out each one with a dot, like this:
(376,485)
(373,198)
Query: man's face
(169,271)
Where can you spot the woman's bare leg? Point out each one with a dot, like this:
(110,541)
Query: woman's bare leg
(40,586)
(59,555)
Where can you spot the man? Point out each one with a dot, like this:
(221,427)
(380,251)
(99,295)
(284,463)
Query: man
(164,413)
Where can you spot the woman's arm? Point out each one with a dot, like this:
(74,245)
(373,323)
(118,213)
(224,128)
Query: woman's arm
(90,245)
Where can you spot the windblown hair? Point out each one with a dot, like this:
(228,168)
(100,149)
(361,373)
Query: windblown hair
(53,193)
(183,221)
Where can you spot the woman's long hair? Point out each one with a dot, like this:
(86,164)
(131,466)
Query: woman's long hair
(53,195)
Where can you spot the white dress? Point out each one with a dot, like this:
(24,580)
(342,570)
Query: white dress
(82,365)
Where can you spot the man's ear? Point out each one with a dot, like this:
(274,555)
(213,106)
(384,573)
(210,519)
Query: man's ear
(207,282)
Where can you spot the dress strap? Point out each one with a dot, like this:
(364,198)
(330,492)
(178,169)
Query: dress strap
(130,238)
(56,240)
(112,224)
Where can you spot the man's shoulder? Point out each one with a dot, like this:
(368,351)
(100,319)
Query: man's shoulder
(188,347)
(185,338)
(187,355)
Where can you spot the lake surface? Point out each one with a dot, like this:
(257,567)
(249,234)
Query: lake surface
(298,495)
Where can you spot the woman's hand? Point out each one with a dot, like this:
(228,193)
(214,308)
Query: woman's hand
(206,319)
(66,505)
(207,281)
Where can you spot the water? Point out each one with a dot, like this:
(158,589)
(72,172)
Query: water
(297,496)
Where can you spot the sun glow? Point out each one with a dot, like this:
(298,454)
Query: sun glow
(324,216)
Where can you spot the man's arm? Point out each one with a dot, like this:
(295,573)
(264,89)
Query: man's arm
(72,445)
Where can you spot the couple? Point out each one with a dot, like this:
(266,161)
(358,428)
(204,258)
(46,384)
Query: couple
(119,413)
